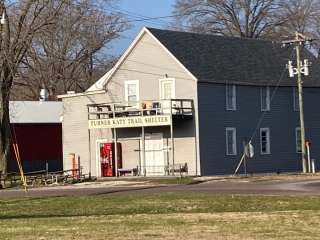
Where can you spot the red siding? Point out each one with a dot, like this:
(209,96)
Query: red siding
(38,142)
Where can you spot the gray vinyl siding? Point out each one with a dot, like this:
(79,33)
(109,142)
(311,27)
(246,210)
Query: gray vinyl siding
(282,121)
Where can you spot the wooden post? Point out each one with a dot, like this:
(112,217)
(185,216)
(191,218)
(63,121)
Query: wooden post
(300,90)
(115,140)
(172,137)
(79,167)
(89,143)
(299,41)
(143,143)
(90,158)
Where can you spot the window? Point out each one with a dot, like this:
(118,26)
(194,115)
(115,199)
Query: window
(265,141)
(231,97)
(295,99)
(298,140)
(265,98)
(167,88)
(231,141)
(132,91)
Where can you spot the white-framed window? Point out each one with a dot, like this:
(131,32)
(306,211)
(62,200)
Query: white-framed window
(131,90)
(231,141)
(265,98)
(295,99)
(298,140)
(167,88)
(264,141)
(231,98)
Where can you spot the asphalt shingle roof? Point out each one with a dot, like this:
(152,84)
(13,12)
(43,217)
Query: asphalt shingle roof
(219,59)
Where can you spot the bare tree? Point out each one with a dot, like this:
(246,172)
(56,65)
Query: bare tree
(24,20)
(67,54)
(244,18)
(300,16)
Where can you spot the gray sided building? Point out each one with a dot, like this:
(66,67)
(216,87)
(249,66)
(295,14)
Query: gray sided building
(177,98)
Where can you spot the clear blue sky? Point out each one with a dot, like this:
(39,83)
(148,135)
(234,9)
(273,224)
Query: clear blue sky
(145,8)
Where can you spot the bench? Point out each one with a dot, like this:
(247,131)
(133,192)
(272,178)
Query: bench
(176,168)
(124,171)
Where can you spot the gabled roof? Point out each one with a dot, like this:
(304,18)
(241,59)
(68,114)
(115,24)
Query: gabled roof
(219,59)
(35,112)
(99,85)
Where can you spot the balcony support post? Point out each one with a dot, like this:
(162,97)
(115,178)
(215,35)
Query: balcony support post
(115,140)
(143,143)
(172,137)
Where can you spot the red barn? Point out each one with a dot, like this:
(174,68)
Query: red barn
(37,130)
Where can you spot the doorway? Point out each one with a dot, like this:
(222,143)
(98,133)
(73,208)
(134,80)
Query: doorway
(154,154)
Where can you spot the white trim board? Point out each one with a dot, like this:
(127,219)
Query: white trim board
(80,94)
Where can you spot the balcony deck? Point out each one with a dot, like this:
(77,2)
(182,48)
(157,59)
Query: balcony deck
(177,108)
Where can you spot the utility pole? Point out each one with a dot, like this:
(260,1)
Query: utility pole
(302,68)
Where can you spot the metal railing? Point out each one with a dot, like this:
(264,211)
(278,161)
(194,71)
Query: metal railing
(175,107)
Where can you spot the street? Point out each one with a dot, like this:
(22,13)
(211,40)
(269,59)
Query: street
(309,186)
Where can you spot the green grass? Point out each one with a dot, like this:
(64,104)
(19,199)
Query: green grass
(161,216)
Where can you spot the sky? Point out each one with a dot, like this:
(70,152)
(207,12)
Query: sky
(142,9)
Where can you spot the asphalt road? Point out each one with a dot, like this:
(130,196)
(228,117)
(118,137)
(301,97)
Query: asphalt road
(310,186)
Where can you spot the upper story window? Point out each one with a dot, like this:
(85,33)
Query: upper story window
(264,140)
(231,101)
(298,140)
(167,88)
(231,141)
(295,99)
(132,91)
(265,98)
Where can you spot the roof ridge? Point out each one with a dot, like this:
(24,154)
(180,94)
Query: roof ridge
(215,35)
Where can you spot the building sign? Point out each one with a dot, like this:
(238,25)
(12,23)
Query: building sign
(128,122)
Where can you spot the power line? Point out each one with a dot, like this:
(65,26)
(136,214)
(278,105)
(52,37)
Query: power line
(149,18)
(145,18)
(126,12)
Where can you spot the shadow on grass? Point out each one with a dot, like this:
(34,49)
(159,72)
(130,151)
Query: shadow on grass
(40,195)
(126,190)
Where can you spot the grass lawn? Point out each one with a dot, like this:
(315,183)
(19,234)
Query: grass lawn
(161,216)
